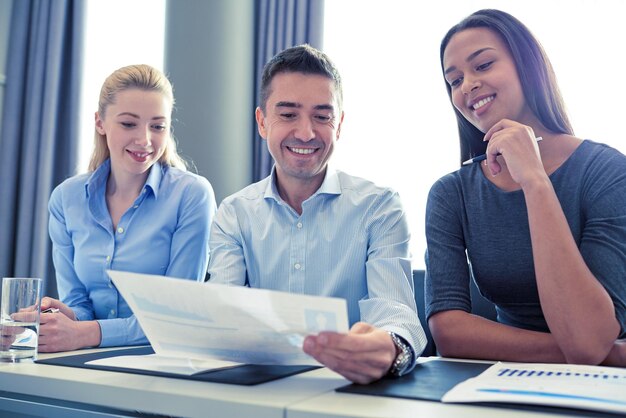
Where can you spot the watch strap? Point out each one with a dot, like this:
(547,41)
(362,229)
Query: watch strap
(404,359)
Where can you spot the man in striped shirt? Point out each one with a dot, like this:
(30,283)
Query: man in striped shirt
(309,229)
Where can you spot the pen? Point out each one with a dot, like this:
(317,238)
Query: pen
(50,310)
(484,156)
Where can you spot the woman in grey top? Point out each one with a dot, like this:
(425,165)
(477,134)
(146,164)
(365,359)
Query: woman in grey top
(540,225)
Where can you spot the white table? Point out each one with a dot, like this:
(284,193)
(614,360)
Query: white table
(42,390)
(346,405)
(124,393)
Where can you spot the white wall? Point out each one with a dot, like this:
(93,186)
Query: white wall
(114,40)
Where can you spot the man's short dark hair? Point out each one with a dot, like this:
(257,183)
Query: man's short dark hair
(299,59)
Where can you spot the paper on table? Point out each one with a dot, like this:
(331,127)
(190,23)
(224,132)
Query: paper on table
(188,319)
(157,363)
(564,385)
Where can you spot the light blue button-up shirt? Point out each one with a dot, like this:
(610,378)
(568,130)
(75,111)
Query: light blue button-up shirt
(164,232)
(351,241)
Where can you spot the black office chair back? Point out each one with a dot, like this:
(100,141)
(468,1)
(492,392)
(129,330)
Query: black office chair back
(480,306)
(418,284)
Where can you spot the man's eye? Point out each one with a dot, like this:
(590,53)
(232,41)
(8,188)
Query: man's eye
(323,118)
(287,115)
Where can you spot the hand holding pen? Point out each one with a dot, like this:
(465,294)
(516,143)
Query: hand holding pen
(51,305)
(483,157)
(517,145)
(51,310)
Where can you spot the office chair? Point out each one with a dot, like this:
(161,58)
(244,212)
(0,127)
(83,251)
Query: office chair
(480,306)
(418,284)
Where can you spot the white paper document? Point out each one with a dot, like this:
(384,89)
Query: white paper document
(565,385)
(157,363)
(202,321)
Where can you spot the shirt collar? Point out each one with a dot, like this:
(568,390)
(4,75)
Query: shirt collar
(99,178)
(154,178)
(330,185)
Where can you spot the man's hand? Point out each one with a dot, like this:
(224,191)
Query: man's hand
(363,355)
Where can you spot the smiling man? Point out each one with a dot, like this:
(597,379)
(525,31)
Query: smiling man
(308,229)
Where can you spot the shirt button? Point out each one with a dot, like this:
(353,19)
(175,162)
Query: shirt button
(110,285)
(108,258)
(112,311)
(299,225)
(297,266)
(120,230)
(135,207)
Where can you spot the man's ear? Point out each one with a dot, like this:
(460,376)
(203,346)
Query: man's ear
(339,126)
(260,122)
(99,124)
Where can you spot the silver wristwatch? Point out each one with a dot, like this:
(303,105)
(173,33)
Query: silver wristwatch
(404,358)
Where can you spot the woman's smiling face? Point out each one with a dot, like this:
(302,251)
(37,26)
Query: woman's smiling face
(483,78)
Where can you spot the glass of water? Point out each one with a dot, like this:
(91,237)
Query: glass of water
(19,319)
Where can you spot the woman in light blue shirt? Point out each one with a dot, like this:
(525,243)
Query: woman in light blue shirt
(137,209)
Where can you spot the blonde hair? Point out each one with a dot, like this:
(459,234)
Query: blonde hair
(142,77)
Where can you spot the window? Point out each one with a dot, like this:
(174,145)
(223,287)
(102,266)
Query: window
(117,33)
(399,129)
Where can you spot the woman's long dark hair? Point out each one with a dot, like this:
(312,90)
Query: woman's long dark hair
(535,72)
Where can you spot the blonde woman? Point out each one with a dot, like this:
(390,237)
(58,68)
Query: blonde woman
(137,209)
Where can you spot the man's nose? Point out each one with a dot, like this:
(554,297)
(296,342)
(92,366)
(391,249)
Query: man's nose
(304,130)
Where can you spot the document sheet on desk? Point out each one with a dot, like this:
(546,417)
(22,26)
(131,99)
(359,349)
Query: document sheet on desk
(565,385)
(185,319)
(157,363)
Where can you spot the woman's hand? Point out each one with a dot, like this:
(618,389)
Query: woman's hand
(48,302)
(617,355)
(517,145)
(60,331)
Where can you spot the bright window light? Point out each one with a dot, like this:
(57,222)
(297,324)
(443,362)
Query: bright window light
(399,128)
(117,33)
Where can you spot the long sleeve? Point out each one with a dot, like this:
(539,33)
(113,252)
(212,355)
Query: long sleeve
(189,250)
(390,304)
(227,264)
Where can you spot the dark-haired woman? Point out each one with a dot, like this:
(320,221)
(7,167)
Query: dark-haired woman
(540,224)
